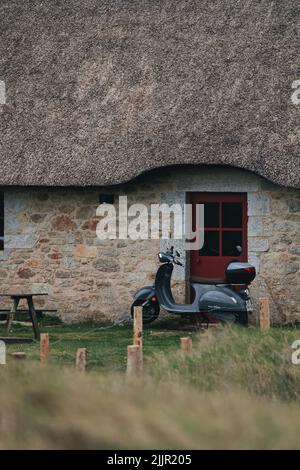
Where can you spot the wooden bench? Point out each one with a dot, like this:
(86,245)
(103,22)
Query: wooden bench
(16,298)
(22,315)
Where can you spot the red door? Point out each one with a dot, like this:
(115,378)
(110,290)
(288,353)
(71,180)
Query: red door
(225,228)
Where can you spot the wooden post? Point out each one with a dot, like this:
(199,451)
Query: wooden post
(138,326)
(44,347)
(133,362)
(186,345)
(138,333)
(264,313)
(81,359)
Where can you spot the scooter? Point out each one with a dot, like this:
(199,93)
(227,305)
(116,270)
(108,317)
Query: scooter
(228,302)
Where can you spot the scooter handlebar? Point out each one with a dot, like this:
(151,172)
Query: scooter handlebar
(171,256)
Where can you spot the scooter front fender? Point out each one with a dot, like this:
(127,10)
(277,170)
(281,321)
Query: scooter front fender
(144,293)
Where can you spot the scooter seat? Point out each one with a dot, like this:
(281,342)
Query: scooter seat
(204,280)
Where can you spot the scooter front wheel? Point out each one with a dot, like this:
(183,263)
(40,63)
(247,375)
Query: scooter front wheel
(150,311)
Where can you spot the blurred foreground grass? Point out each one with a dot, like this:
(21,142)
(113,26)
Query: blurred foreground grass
(238,389)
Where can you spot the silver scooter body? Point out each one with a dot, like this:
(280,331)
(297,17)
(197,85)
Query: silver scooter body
(224,302)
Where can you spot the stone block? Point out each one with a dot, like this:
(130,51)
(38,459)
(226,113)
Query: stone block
(294,250)
(147,266)
(255,226)
(174,197)
(27,240)
(84,251)
(17,201)
(11,224)
(106,265)
(62,274)
(37,218)
(258,204)
(25,273)
(63,223)
(292,267)
(41,288)
(256,244)
(254,259)
(279,204)
(3,273)
(294,205)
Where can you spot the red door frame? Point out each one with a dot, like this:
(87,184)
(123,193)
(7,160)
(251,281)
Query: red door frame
(211,269)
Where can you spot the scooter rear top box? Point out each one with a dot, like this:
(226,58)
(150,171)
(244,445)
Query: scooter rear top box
(240,273)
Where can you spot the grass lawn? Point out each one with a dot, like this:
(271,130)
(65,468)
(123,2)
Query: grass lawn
(106,343)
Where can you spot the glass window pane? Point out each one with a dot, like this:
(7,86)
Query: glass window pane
(211,214)
(211,244)
(232,215)
(1,227)
(230,241)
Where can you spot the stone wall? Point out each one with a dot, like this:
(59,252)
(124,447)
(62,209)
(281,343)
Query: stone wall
(51,244)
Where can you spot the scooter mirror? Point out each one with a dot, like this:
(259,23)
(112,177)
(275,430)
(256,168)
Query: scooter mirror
(163,258)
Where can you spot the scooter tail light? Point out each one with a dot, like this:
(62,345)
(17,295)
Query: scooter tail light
(154,299)
(249,269)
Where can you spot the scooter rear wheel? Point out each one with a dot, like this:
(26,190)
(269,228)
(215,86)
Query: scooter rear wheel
(150,312)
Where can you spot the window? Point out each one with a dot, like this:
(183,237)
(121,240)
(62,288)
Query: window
(1,221)
(225,234)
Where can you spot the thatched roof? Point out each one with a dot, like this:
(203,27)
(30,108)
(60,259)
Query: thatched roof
(100,91)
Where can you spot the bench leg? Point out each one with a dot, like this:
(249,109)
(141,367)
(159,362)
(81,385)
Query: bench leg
(33,317)
(10,315)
